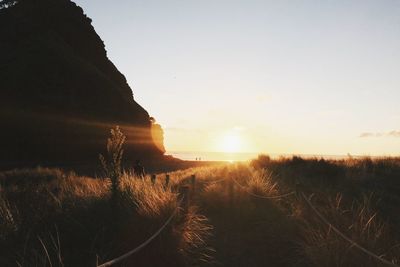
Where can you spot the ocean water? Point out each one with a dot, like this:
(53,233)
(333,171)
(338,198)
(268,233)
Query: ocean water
(213,156)
(230,157)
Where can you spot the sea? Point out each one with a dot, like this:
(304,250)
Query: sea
(234,157)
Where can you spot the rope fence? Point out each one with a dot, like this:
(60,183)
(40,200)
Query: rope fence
(214,182)
(322,218)
(145,243)
(261,196)
(184,197)
(338,232)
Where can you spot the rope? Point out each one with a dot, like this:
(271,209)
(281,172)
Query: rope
(337,231)
(151,238)
(214,182)
(261,196)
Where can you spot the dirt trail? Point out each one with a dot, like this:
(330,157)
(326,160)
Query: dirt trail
(251,234)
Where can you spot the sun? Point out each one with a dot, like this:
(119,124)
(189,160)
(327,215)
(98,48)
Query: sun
(231,143)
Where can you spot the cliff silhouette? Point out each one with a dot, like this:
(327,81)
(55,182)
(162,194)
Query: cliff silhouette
(59,92)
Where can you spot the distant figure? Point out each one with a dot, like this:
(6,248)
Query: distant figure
(138,169)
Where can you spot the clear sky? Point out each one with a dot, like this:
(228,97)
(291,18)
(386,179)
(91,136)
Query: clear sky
(309,77)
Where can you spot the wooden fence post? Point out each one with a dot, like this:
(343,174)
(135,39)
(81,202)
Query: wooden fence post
(299,188)
(184,195)
(193,182)
(166,180)
(231,191)
(153,179)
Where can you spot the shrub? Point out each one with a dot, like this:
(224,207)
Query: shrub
(112,162)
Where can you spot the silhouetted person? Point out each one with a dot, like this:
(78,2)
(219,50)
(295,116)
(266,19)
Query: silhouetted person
(138,169)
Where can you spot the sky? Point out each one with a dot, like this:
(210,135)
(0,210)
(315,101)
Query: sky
(279,77)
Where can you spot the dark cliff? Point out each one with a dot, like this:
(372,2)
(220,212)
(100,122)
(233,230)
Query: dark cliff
(59,93)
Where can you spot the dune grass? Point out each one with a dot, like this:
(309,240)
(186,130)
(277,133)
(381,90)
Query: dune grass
(52,218)
(358,196)
(49,218)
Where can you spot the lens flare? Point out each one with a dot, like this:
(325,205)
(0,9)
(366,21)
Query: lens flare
(231,143)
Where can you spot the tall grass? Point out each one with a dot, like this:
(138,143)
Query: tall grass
(349,193)
(50,217)
(358,196)
(112,162)
(324,247)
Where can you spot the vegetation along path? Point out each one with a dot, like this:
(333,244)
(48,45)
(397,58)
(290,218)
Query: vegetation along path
(247,231)
(261,219)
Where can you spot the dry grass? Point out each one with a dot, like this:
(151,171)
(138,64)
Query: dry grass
(196,232)
(50,217)
(342,192)
(149,200)
(358,196)
(47,215)
(324,247)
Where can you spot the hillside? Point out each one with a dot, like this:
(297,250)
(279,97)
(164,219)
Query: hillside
(60,94)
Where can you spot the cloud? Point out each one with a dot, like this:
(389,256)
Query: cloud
(394,133)
(367,135)
(388,134)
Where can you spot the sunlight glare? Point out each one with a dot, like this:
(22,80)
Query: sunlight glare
(231,143)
